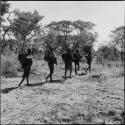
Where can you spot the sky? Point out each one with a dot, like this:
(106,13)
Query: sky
(107,15)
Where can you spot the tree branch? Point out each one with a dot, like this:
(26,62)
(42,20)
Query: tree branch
(9,17)
(5,32)
(30,30)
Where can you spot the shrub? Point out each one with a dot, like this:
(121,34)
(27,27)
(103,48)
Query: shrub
(9,64)
(111,113)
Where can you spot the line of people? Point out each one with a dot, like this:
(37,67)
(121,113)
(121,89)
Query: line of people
(50,58)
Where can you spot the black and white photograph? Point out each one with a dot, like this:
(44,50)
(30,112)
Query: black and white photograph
(62,62)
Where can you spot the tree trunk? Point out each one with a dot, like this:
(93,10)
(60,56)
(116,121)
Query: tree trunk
(23,44)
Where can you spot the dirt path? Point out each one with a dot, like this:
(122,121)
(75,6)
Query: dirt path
(97,97)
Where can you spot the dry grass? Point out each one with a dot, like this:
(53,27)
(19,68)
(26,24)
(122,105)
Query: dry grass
(95,98)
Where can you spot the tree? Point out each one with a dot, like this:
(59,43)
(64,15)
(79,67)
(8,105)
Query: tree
(74,34)
(107,52)
(86,36)
(118,38)
(25,26)
(83,26)
(50,40)
(62,29)
(4,7)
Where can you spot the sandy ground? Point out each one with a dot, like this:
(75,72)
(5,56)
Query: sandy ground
(95,98)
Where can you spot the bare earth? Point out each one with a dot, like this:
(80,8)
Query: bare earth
(97,97)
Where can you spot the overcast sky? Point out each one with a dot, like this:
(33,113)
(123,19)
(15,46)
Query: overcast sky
(105,14)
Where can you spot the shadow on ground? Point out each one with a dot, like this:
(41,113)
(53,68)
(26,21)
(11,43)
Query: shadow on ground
(80,74)
(7,90)
(57,81)
(36,84)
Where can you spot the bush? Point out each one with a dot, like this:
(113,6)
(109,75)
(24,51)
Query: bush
(38,56)
(9,64)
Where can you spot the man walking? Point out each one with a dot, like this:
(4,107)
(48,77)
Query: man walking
(67,58)
(89,61)
(26,65)
(76,60)
(51,59)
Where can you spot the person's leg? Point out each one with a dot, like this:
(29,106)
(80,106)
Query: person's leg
(87,67)
(47,77)
(51,71)
(27,73)
(78,65)
(75,68)
(70,70)
(23,77)
(51,77)
(90,66)
(65,70)
(48,74)
(27,78)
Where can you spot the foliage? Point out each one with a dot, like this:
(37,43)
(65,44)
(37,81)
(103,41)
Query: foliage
(118,37)
(73,34)
(62,30)
(85,33)
(83,26)
(50,39)
(86,39)
(9,63)
(59,35)
(4,8)
(25,25)
(108,52)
